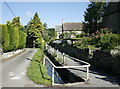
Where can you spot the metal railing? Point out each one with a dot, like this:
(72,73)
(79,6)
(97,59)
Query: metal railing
(87,65)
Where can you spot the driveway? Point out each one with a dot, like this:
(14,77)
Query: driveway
(14,70)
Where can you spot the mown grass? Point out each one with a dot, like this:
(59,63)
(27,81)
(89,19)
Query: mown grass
(36,71)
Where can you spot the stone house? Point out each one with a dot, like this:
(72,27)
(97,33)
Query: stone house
(111,17)
(69,27)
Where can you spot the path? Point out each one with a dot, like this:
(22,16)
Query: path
(96,78)
(14,71)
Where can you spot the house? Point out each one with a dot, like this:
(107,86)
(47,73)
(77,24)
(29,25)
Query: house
(69,27)
(74,27)
(58,29)
(111,17)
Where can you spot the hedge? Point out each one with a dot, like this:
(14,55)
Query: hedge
(22,39)
(5,38)
(12,38)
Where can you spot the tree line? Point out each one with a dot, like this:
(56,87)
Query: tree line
(34,34)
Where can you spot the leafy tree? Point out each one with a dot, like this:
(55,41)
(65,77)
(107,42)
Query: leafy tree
(5,38)
(34,31)
(92,17)
(45,25)
(49,34)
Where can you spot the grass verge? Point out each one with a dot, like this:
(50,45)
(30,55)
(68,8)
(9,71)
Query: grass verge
(36,71)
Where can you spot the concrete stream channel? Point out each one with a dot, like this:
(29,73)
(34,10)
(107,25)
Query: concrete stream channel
(62,76)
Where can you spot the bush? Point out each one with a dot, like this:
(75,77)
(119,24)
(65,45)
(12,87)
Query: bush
(81,35)
(36,71)
(83,42)
(22,39)
(11,31)
(105,39)
(16,38)
(39,43)
(5,38)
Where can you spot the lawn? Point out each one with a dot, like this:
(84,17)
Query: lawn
(36,71)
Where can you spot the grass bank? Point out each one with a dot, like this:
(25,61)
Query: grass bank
(36,71)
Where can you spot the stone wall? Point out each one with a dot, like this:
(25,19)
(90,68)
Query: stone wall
(106,62)
(82,54)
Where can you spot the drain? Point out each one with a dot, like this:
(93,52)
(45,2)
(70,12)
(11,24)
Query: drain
(65,75)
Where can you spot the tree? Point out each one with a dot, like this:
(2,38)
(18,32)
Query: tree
(92,17)
(16,22)
(5,38)
(45,25)
(34,31)
(49,34)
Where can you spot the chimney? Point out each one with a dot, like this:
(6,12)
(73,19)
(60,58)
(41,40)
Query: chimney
(62,25)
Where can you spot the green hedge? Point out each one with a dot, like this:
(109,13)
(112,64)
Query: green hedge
(5,38)
(12,38)
(22,39)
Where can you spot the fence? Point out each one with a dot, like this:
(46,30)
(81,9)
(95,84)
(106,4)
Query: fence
(64,57)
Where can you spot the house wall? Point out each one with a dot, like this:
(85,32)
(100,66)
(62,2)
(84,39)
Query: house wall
(111,17)
(79,32)
(112,21)
(58,34)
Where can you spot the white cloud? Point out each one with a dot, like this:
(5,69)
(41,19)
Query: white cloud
(28,13)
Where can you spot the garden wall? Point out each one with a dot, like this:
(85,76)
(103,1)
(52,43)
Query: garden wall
(106,62)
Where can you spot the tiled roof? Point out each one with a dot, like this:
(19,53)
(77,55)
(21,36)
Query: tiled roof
(72,26)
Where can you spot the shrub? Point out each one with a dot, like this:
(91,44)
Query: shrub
(36,71)
(22,39)
(39,43)
(82,35)
(105,39)
(16,38)
(11,33)
(5,38)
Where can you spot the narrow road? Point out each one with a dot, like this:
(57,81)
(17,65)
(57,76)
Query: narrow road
(14,70)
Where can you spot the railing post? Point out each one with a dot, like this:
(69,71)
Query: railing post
(44,60)
(57,53)
(63,58)
(53,70)
(87,73)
